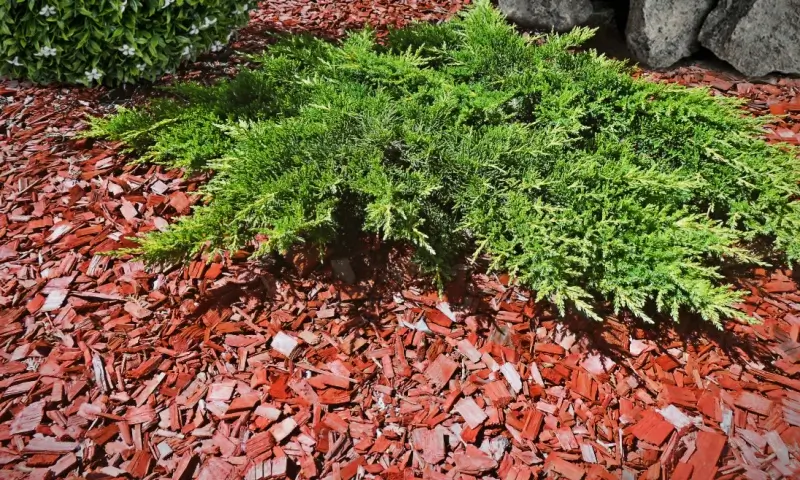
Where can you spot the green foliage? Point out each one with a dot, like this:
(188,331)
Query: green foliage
(584,183)
(110,41)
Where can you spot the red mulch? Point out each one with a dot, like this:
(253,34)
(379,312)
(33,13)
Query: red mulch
(269,370)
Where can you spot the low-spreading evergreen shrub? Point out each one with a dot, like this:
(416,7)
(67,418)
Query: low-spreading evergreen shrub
(584,183)
(110,41)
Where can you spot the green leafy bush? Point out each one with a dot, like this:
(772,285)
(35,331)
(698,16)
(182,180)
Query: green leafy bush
(110,41)
(584,183)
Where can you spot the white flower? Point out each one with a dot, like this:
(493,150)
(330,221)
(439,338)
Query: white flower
(127,50)
(167,3)
(187,51)
(46,52)
(141,67)
(47,11)
(217,46)
(194,30)
(123,5)
(207,22)
(93,75)
(15,62)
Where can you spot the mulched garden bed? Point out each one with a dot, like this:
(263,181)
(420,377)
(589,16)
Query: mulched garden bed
(268,369)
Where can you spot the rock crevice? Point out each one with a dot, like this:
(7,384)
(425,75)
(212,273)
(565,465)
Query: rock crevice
(757,37)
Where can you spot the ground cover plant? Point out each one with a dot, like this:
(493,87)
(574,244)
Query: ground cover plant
(110,41)
(584,183)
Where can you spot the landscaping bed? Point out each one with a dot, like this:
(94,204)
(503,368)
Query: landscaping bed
(111,369)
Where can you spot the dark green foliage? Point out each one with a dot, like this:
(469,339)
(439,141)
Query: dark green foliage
(110,41)
(584,183)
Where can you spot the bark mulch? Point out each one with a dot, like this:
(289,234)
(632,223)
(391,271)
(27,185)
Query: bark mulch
(345,368)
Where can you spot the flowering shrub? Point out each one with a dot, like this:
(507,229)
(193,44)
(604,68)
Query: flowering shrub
(110,41)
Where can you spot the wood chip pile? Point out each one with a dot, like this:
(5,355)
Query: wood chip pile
(229,370)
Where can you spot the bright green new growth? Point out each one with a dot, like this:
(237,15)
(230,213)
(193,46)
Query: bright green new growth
(584,183)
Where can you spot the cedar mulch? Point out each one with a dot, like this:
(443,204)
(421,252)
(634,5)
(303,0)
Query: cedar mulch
(283,368)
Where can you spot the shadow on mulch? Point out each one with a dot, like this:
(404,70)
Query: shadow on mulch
(384,271)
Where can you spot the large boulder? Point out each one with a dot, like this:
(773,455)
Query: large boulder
(559,15)
(661,32)
(757,37)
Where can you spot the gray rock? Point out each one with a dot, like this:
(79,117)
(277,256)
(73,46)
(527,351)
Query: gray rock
(757,37)
(559,15)
(661,32)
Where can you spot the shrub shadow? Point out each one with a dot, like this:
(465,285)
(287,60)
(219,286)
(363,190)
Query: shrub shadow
(387,269)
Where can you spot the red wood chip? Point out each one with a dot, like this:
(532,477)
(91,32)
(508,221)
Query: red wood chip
(49,445)
(221,391)
(213,271)
(138,415)
(184,470)
(228,367)
(473,461)
(440,371)
(564,468)
(137,311)
(35,474)
(708,450)
(566,439)
(473,415)
(244,402)
(430,444)
(532,424)
(468,350)
(282,429)
(682,472)
(64,465)
(652,428)
(139,465)
(180,202)
(754,403)
(259,444)
(498,392)
(28,419)
(780,286)
(667,363)
(215,469)
(683,396)
(549,348)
